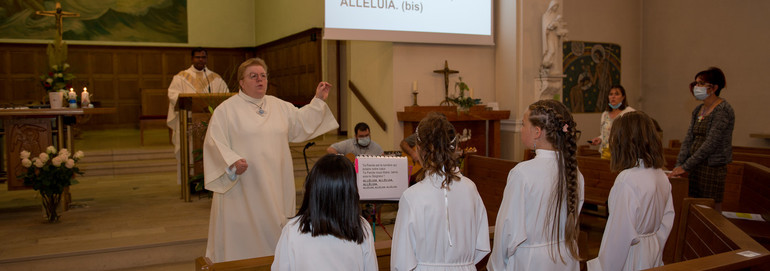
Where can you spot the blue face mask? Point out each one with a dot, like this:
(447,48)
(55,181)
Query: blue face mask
(364,141)
(701,93)
(615,106)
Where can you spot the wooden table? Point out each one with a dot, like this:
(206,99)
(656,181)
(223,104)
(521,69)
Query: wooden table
(483,124)
(31,130)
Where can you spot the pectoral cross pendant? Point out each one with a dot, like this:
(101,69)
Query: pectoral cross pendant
(261,112)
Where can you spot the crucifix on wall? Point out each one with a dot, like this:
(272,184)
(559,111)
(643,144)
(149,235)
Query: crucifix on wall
(57,52)
(446,71)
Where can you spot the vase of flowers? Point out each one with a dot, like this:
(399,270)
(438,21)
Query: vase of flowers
(56,82)
(50,173)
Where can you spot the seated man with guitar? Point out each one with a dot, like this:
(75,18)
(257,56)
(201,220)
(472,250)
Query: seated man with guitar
(361,144)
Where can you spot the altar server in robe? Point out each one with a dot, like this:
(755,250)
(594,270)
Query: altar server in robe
(196,79)
(441,222)
(640,204)
(328,232)
(537,225)
(247,163)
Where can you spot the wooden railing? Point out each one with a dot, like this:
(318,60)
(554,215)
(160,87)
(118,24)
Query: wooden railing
(368,106)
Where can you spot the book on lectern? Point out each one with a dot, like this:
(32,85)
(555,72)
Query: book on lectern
(381,177)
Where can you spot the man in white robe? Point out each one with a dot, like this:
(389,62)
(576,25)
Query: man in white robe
(196,79)
(248,164)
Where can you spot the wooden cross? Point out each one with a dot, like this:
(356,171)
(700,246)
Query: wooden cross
(59,14)
(446,71)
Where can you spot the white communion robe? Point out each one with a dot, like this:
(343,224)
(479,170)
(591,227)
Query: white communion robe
(190,80)
(247,213)
(440,229)
(302,251)
(522,231)
(641,216)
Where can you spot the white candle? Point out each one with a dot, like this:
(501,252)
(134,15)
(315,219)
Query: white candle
(84,98)
(414,86)
(470,94)
(72,95)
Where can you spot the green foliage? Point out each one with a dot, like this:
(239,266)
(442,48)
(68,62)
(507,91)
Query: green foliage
(461,100)
(57,79)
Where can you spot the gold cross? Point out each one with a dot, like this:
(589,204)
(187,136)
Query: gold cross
(59,14)
(446,71)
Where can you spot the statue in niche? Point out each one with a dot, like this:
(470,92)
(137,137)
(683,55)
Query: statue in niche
(554,31)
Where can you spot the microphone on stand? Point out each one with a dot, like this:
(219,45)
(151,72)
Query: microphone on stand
(308,145)
(207,78)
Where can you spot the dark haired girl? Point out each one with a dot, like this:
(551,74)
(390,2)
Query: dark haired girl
(328,233)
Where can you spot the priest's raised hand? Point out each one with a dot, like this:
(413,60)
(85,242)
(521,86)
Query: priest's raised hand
(322,91)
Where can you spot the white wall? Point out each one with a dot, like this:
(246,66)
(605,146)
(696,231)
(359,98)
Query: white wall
(684,37)
(413,61)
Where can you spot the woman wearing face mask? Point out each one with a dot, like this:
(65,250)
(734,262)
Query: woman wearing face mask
(707,147)
(617,105)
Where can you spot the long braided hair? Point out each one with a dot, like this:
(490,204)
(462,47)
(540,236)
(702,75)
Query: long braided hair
(559,129)
(436,138)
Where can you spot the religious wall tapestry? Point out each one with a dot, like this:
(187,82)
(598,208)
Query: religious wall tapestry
(99,20)
(591,68)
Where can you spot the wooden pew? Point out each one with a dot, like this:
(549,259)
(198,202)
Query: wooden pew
(490,176)
(708,241)
(382,248)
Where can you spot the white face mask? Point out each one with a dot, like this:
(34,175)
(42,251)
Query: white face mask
(364,141)
(701,93)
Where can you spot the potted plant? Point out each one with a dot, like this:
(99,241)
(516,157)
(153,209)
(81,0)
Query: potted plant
(50,173)
(56,82)
(463,103)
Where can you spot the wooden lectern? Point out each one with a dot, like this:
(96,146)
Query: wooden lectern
(483,124)
(193,111)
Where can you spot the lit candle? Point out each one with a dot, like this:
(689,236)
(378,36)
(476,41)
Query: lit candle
(414,86)
(85,98)
(72,95)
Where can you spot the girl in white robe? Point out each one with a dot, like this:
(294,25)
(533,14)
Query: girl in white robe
(328,232)
(640,204)
(441,222)
(536,226)
(247,164)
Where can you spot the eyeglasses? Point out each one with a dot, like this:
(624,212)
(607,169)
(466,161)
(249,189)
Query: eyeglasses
(254,76)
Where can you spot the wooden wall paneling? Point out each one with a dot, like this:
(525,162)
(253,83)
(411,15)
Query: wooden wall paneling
(102,63)
(151,63)
(128,88)
(177,61)
(127,63)
(152,82)
(79,64)
(23,90)
(23,62)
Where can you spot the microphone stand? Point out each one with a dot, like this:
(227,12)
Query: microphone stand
(308,145)
(207,79)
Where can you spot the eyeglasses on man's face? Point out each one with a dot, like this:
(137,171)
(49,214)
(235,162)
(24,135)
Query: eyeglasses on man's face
(254,76)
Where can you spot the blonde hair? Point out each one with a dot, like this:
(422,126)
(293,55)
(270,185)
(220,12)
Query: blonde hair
(248,63)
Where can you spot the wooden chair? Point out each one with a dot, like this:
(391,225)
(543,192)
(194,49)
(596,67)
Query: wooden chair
(154,110)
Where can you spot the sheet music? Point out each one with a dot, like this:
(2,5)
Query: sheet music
(381,177)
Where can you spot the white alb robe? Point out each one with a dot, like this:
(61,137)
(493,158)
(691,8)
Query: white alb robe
(641,216)
(440,229)
(301,251)
(190,80)
(522,235)
(247,214)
